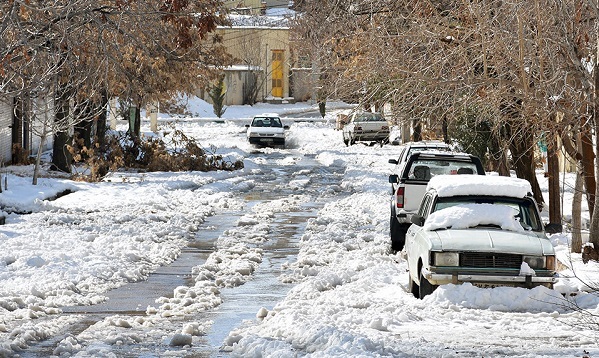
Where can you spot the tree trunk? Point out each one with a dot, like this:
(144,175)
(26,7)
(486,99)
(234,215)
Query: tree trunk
(417,135)
(83,132)
(61,157)
(555,212)
(134,122)
(499,157)
(522,149)
(588,163)
(576,212)
(100,123)
(18,147)
(38,157)
(588,166)
(445,130)
(594,228)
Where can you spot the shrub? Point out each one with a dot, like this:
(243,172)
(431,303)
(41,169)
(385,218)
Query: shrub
(178,153)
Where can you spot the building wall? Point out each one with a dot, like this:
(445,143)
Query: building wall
(42,124)
(234,86)
(302,84)
(6,111)
(254,46)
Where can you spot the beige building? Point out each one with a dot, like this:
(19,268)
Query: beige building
(263,70)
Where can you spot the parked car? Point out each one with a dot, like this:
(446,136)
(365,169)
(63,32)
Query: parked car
(366,127)
(485,230)
(409,180)
(266,130)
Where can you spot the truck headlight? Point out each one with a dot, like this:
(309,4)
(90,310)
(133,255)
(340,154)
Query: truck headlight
(535,262)
(447,259)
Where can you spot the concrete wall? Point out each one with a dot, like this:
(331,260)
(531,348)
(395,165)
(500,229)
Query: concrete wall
(302,84)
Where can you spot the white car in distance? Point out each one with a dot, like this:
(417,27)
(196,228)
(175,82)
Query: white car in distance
(366,127)
(485,230)
(266,130)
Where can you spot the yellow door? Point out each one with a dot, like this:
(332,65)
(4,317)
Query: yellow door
(277,73)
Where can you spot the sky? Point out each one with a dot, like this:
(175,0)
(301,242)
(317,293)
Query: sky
(67,243)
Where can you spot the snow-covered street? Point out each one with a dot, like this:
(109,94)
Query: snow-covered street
(314,215)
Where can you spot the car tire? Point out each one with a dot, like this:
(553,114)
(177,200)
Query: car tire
(397,233)
(413,287)
(425,288)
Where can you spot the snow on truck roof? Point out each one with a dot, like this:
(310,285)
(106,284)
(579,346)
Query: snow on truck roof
(267,115)
(494,185)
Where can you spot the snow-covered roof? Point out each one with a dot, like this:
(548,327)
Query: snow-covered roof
(258,21)
(453,185)
(272,114)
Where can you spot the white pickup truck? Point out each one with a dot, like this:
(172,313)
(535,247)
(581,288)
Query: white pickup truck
(409,181)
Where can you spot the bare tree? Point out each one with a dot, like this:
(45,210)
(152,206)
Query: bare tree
(82,52)
(528,62)
(252,55)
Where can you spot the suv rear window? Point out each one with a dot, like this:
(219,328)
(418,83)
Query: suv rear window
(427,168)
(369,117)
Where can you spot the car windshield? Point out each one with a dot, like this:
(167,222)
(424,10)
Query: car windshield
(523,210)
(426,169)
(369,117)
(267,122)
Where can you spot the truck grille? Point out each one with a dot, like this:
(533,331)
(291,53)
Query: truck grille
(494,260)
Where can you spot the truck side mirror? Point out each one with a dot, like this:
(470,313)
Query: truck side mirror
(393,161)
(393,178)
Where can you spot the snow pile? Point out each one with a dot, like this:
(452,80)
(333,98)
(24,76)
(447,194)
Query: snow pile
(464,216)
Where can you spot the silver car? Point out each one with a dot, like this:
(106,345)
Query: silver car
(485,230)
